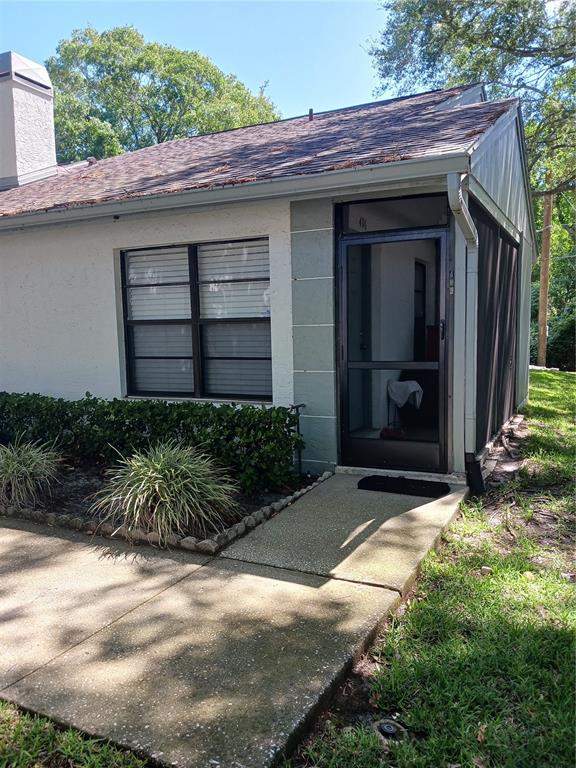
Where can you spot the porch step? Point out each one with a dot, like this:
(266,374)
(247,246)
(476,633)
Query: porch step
(455,478)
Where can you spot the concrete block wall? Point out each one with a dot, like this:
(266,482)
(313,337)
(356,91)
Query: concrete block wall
(314,329)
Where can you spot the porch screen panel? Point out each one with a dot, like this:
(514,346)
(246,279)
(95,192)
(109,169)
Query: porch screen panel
(234,297)
(497,326)
(198,320)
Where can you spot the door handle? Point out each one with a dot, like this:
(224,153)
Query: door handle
(442,330)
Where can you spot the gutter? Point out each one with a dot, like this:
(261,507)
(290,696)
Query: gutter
(329,183)
(465,222)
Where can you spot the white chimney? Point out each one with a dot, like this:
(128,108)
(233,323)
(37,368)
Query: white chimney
(27,144)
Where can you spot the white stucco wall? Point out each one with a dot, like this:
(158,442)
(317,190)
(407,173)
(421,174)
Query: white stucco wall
(28,148)
(8,165)
(60,313)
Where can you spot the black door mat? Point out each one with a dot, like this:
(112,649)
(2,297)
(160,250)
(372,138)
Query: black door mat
(404,485)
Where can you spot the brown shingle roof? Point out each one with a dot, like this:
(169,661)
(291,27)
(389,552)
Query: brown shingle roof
(381,132)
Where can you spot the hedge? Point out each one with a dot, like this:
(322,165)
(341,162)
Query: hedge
(256,444)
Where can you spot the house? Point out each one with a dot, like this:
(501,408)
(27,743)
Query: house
(372,263)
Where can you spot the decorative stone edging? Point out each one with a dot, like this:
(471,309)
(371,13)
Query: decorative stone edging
(206,546)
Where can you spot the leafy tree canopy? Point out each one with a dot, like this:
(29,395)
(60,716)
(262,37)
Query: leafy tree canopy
(115,92)
(520,48)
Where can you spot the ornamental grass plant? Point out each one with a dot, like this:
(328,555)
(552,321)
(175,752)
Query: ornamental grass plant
(27,471)
(168,489)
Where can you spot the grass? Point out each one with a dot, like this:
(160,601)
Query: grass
(479,666)
(30,741)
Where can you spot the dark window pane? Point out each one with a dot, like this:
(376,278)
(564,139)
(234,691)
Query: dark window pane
(393,404)
(244,378)
(162,340)
(169,375)
(399,213)
(419,304)
(419,276)
(237,340)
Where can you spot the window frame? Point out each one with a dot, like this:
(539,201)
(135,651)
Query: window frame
(196,323)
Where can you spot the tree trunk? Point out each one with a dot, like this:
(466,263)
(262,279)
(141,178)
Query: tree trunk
(544,279)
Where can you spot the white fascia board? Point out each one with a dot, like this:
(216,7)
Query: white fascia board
(350,180)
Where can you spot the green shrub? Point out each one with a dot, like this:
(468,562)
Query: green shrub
(168,489)
(27,470)
(256,444)
(561,347)
(562,343)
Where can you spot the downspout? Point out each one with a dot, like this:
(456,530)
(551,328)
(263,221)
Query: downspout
(468,229)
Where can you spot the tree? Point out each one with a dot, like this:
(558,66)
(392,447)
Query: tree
(520,48)
(524,48)
(561,315)
(115,92)
(544,278)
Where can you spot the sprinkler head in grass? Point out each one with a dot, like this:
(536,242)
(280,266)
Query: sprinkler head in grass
(389,730)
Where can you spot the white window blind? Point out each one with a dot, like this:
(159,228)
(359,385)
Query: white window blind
(234,279)
(164,265)
(221,262)
(224,300)
(159,302)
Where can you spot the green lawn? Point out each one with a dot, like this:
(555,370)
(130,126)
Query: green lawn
(479,667)
(30,741)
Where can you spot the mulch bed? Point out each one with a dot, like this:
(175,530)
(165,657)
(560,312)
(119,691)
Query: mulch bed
(69,506)
(74,491)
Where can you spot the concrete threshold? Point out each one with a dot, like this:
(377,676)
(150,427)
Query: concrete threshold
(456,479)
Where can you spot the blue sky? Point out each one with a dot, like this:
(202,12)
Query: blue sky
(313,54)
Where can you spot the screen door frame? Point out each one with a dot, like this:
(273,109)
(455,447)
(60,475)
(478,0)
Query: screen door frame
(395,454)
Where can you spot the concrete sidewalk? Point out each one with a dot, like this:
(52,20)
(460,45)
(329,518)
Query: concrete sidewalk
(205,662)
(341,532)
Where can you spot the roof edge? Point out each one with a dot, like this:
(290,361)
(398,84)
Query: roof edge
(498,125)
(328,182)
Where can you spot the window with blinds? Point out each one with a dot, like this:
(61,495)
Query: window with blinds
(197,320)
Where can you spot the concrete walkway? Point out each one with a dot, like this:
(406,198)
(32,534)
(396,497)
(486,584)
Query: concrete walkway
(204,662)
